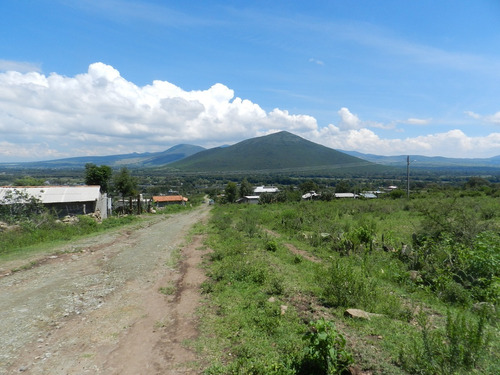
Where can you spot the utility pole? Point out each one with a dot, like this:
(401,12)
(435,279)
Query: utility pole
(408,176)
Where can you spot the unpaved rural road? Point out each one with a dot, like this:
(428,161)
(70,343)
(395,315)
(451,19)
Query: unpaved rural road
(95,307)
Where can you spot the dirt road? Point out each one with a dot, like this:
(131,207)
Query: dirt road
(116,303)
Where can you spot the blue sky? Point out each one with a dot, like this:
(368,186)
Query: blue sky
(84,77)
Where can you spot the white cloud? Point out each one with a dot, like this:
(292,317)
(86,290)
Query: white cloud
(493,119)
(315,61)
(454,143)
(100,113)
(473,115)
(18,66)
(348,120)
(418,121)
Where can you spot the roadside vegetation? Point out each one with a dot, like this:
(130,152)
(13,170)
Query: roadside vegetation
(27,235)
(26,225)
(424,272)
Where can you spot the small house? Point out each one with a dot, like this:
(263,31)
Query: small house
(251,199)
(166,200)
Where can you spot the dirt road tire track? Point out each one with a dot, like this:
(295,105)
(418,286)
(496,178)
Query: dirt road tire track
(99,310)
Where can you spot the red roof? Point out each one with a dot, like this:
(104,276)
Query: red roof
(169,198)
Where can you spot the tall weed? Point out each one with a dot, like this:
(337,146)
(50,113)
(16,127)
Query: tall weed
(346,284)
(458,348)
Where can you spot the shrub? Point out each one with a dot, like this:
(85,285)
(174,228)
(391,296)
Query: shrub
(347,285)
(397,193)
(248,225)
(326,351)
(290,220)
(271,246)
(458,271)
(456,349)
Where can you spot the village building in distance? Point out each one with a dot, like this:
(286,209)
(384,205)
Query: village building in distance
(162,201)
(62,200)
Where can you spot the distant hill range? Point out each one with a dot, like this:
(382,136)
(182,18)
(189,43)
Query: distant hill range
(418,161)
(280,152)
(147,159)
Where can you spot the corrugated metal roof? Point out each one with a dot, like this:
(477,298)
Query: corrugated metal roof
(265,189)
(54,194)
(345,195)
(169,198)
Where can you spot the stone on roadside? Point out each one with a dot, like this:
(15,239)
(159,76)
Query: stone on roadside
(360,314)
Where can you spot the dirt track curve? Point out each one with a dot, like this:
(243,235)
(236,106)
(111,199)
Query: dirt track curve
(95,307)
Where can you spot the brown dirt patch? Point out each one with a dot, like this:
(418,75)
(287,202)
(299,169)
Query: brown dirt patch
(302,253)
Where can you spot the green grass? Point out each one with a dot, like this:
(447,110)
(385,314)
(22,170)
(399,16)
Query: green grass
(357,246)
(167,290)
(34,236)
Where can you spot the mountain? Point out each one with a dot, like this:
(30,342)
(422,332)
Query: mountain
(135,159)
(278,152)
(173,154)
(419,161)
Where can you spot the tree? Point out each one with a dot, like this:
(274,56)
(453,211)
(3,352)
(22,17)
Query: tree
(124,183)
(343,186)
(476,183)
(17,205)
(29,181)
(95,175)
(231,192)
(246,188)
(308,186)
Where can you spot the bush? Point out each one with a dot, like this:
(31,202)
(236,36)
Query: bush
(326,351)
(461,272)
(271,246)
(347,285)
(458,348)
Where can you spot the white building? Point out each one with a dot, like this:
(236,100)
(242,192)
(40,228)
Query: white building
(63,200)
(265,189)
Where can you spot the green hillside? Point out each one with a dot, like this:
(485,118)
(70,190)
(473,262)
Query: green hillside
(172,154)
(279,152)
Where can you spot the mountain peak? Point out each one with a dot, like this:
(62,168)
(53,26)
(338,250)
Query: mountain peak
(281,151)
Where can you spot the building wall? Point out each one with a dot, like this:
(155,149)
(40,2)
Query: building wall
(81,208)
(103,205)
(73,208)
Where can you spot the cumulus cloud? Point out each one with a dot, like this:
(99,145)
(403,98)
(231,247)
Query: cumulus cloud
(454,143)
(348,120)
(101,107)
(100,113)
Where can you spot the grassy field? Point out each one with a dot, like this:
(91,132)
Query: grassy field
(282,276)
